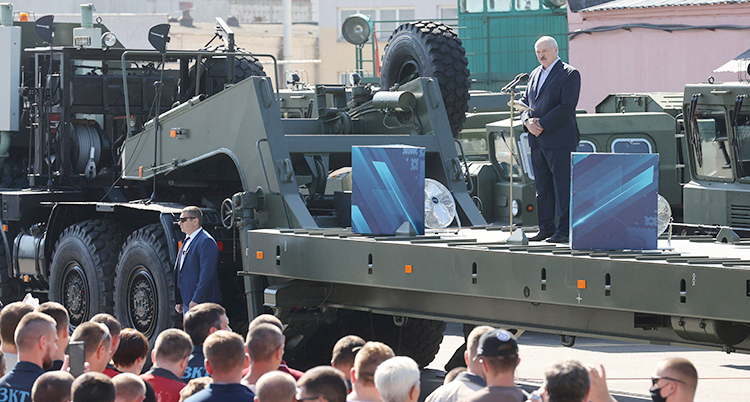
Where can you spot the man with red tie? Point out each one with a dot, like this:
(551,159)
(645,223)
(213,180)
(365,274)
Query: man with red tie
(195,269)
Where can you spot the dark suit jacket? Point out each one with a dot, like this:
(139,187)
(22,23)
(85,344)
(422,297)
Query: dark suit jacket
(555,106)
(197,278)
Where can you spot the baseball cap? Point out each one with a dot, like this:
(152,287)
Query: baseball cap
(498,342)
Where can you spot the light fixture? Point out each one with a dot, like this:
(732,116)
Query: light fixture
(109,39)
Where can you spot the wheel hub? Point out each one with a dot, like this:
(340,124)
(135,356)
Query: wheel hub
(75,293)
(143,303)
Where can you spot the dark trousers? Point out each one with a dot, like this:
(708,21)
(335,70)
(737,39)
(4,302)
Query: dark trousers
(552,177)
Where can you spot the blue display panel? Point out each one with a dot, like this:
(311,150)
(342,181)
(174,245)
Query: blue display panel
(387,189)
(613,201)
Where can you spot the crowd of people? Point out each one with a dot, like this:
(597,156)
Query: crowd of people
(208,362)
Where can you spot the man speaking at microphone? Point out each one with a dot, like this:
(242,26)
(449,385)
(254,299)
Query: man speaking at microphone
(552,93)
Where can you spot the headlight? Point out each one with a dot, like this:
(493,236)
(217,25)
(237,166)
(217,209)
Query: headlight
(516,208)
(109,39)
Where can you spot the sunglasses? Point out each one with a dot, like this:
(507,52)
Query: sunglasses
(183,220)
(656,379)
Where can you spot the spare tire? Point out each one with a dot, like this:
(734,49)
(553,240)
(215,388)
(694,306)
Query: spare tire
(430,49)
(214,71)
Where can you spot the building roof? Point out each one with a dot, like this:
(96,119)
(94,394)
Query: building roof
(736,65)
(630,4)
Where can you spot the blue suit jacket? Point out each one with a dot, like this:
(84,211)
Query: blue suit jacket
(197,278)
(555,106)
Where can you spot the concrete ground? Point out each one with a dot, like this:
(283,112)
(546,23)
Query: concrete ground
(629,366)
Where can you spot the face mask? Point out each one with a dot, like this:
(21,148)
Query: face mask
(656,396)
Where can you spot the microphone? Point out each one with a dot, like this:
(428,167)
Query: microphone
(520,78)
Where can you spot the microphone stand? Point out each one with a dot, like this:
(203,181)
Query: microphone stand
(518,236)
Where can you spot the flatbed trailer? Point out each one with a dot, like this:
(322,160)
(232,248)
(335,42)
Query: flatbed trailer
(691,291)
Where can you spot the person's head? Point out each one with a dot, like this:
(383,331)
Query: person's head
(225,355)
(97,344)
(265,343)
(53,386)
(321,384)
(546,50)
(203,320)
(472,344)
(60,314)
(397,380)
(113,325)
(172,351)
(275,386)
(129,388)
(567,381)
(10,316)
(498,353)
(190,220)
(451,375)
(92,387)
(266,319)
(344,352)
(193,386)
(367,361)
(36,339)
(675,380)
(132,353)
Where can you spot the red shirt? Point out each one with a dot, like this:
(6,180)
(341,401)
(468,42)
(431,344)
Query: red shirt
(166,385)
(111,371)
(282,367)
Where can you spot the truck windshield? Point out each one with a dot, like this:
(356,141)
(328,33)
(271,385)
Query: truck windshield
(742,145)
(710,145)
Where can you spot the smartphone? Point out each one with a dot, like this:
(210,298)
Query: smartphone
(77,357)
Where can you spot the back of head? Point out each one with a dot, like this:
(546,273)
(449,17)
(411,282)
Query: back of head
(32,327)
(681,369)
(111,322)
(395,379)
(53,386)
(346,349)
(129,387)
(58,312)
(193,386)
(93,335)
(368,359)
(266,319)
(199,320)
(262,342)
(133,345)
(499,349)
(225,352)
(93,387)
(172,345)
(325,381)
(276,386)
(472,341)
(453,374)
(10,316)
(567,381)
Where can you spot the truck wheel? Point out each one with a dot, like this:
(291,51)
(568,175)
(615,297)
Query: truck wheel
(429,49)
(144,284)
(10,289)
(82,269)
(417,338)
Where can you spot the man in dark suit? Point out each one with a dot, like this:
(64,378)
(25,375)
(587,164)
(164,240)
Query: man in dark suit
(195,268)
(552,93)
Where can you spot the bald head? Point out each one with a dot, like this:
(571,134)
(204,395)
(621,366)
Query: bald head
(263,340)
(129,388)
(53,386)
(275,386)
(266,319)
(679,369)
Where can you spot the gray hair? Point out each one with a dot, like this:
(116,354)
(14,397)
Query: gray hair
(548,39)
(395,378)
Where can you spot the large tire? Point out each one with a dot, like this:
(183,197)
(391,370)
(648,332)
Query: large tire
(429,49)
(213,71)
(144,284)
(82,269)
(417,338)
(10,288)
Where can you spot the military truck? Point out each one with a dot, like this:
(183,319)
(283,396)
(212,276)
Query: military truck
(111,144)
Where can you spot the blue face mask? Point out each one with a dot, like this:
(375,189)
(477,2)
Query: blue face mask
(656,395)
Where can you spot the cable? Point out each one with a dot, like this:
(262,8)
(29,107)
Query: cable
(659,27)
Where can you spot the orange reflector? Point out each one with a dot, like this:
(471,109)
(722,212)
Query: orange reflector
(529,208)
(259,255)
(407,269)
(5,228)
(26,278)
(581,284)
(23,17)
(173,133)
(140,172)
(220,245)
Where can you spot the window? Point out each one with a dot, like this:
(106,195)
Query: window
(471,6)
(527,5)
(391,17)
(709,144)
(631,146)
(448,15)
(586,146)
(499,5)
(741,146)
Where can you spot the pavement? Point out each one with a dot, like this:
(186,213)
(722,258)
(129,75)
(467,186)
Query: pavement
(628,366)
